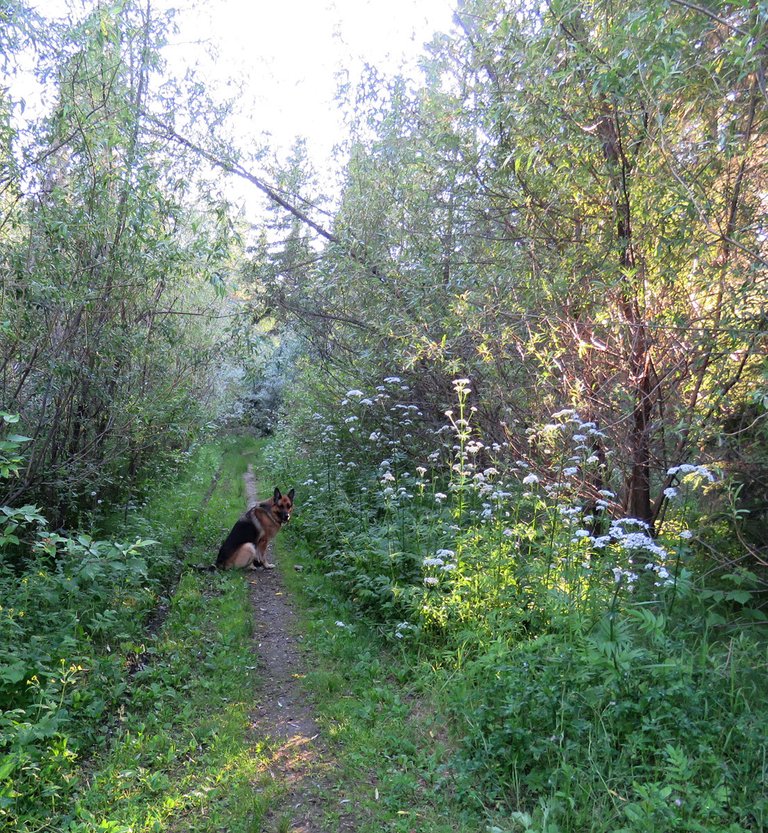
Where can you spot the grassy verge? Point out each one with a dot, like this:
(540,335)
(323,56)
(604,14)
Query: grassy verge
(384,729)
(174,752)
(72,621)
(182,758)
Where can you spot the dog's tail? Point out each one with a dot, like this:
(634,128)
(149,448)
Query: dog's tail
(204,568)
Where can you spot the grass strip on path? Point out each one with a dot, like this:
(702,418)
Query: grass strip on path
(182,757)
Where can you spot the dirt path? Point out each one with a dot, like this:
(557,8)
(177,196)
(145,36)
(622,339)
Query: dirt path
(301,763)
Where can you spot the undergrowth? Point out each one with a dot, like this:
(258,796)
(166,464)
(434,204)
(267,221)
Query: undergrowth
(80,675)
(597,675)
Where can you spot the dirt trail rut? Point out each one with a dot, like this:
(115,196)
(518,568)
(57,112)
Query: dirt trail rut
(301,763)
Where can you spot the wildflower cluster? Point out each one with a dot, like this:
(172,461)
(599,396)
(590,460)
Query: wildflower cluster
(435,520)
(443,561)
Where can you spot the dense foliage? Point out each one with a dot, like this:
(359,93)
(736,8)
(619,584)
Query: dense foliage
(570,211)
(72,630)
(597,677)
(522,374)
(110,257)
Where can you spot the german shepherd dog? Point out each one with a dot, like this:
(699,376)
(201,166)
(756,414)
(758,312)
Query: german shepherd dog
(246,545)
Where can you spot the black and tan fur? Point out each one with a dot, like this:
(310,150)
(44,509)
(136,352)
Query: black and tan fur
(246,545)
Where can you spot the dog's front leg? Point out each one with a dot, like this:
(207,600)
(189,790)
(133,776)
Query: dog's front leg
(262,554)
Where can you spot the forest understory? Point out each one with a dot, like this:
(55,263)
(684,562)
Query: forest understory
(509,348)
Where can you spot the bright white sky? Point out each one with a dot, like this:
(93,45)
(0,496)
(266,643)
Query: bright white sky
(287,55)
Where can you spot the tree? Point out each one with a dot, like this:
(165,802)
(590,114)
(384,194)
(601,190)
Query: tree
(569,211)
(109,342)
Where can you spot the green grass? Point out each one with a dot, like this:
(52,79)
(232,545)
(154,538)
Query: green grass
(573,689)
(182,757)
(385,730)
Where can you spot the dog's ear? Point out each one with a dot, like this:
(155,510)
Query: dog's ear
(291,494)
(276,495)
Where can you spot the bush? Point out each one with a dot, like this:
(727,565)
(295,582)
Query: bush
(72,618)
(595,681)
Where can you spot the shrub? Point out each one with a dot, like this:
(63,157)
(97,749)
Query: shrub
(595,680)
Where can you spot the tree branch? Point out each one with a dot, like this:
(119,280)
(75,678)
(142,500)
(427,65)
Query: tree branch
(711,15)
(238,170)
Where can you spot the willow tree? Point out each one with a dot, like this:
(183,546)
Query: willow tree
(629,143)
(571,209)
(106,351)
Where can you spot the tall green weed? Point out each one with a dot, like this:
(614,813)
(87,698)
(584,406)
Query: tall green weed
(72,616)
(598,679)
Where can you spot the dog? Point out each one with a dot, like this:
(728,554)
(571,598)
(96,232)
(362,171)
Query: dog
(246,545)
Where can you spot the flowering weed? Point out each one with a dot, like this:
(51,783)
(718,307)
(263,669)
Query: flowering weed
(576,643)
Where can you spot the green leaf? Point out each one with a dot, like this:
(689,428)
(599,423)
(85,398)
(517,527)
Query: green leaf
(18,438)
(740,596)
(13,673)
(7,767)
